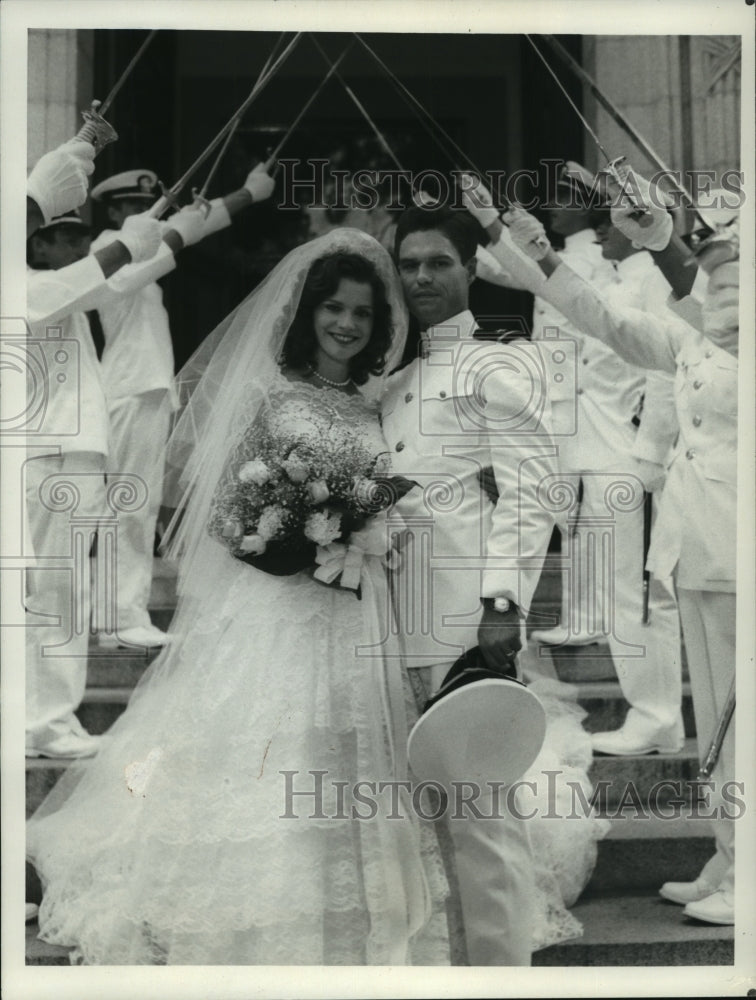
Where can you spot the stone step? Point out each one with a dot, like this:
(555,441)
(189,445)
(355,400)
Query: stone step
(636,930)
(607,708)
(639,930)
(40,953)
(629,780)
(101,706)
(117,669)
(639,854)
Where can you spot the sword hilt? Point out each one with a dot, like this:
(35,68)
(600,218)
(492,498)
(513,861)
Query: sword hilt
(200,202)
(167,199)
(640,213)
(95,129)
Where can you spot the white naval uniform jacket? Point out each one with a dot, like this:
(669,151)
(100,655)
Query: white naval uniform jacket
(595,395)
(468,405)
(67,398)
(138,354)
(695,532)
(641,285)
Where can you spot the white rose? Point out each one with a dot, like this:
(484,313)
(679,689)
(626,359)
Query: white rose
(253,545)
(255,471)
(296,468)
(319,491)
(323,528)
(231,529)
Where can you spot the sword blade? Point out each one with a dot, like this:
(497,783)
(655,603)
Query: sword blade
(622,121)
(575,108)
(124,76)
(162,203)
(360,107)
(715,747)
(274,155)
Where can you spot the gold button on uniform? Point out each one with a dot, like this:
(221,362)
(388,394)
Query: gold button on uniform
(442,394)
(408,398)
(580,392)
(696,421)
(690,453)
(400,446)
(697,384)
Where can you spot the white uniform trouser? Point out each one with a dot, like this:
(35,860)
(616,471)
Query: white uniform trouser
(139,430)
(56,653)
(708,620)
(603,593)
(494,869)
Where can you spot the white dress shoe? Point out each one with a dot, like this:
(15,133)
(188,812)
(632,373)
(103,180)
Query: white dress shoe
(624,743)
(66,745)
(718,908)
(561,636)
(686,892)
(31,911)
(141,635)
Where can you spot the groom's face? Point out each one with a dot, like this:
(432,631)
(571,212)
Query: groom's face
(436,282)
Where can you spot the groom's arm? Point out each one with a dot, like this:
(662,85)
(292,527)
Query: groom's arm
(523,458)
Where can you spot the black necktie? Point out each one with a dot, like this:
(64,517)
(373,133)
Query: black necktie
(95,328)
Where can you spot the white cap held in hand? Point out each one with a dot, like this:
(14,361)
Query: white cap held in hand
(477,200)
(259,183)
(141,236)
(58,182)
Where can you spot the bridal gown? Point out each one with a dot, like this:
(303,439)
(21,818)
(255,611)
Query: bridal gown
(182,843)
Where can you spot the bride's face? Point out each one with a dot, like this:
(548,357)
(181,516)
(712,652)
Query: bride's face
(344,322)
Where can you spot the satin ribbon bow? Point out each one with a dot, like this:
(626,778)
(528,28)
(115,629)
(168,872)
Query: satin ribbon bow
(339,560)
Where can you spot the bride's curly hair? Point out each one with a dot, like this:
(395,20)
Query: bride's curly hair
(322,280)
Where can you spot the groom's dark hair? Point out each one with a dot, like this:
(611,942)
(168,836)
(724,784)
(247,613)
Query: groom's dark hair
(459,227)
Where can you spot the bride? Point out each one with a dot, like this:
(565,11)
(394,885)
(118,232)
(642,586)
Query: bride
(220,821)
(215,825)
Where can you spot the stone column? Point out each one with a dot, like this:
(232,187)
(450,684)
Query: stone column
(60,74)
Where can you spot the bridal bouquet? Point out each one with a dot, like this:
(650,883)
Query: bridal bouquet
(288,504)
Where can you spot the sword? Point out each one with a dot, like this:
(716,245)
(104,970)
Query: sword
(648,509)
(169,196)
(199,197)
(95,129)
(641,212)
(360,107)
(715,747)
(274,155)
(623,122)
(418,108)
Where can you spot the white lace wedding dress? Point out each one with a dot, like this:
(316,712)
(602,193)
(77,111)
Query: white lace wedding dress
(178,843)
(172,847)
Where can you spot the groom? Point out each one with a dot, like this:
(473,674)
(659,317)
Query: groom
(470,568)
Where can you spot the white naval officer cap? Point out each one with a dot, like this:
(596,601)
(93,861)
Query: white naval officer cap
(71,218)
(128,184)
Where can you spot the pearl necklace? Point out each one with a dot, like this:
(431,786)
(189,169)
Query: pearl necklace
(328,381)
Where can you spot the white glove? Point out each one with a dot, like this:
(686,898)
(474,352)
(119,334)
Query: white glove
(654,230)
(527,233)
(141,236)
(259,184)
(651,474)
(189,223)
(477,200)
(487,268)
(58,182)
